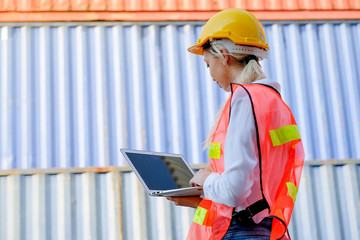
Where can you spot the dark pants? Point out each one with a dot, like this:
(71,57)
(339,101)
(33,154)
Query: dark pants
(249,231)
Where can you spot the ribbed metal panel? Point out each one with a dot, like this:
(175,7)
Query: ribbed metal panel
(327,205)
(73,94)
(173,5)
(109,203)
(60,205)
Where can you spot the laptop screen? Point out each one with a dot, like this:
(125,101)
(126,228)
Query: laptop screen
(161,172)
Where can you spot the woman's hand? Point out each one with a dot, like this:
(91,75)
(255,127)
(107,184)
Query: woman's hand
(197,181)
(192,202)
(200,177)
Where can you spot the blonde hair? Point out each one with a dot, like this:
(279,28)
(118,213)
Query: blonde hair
(250,72)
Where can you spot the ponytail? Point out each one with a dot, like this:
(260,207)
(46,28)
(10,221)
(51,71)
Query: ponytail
(251,72)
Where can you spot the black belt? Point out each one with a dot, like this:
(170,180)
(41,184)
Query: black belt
(245,216)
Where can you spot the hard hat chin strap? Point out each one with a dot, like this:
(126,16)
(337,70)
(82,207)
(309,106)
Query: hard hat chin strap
(237,48)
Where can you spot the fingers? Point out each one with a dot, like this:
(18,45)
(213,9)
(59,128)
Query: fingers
(175,200)
(200,177)
(192,202)
(192,183)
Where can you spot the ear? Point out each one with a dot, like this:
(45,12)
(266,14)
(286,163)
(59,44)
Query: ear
(225,54)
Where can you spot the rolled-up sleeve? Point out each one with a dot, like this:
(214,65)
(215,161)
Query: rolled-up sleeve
(234,185)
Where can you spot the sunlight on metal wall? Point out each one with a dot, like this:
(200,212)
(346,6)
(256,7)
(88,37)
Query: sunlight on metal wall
(109,203)
(72,94)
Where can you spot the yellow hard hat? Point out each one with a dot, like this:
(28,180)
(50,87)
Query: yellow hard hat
(236,24)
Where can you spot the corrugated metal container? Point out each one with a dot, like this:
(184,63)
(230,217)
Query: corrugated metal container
(173,5)
(109,203)
(73,94)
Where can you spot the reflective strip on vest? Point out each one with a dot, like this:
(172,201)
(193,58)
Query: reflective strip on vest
(292,190)
(215,150)
(284,134)
(200,215)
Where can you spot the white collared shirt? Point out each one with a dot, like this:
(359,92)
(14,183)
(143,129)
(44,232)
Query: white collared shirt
(239,185)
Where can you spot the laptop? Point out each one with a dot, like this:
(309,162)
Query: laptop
(162,174)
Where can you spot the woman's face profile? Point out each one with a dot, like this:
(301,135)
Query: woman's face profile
(218,71)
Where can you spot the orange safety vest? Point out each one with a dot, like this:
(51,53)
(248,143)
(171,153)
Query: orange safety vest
(281,157)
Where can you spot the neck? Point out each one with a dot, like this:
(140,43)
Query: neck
(235,72)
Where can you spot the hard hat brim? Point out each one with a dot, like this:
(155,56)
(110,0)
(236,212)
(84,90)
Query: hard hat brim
(196,49)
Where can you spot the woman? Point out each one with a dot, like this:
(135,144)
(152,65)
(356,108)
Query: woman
(256,153)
